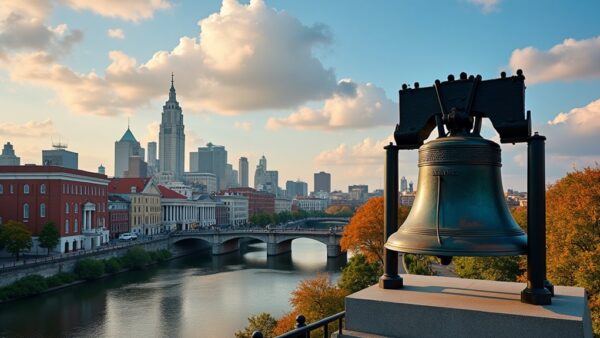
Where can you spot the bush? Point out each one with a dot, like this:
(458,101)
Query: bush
(60,279)
(418,264)
(112,265)
(89,269)
(25,286)
(161,255)
(136,258)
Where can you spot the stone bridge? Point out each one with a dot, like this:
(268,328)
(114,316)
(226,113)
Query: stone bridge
(279,240)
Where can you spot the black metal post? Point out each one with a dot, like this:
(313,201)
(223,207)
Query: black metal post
(390,278)
(536,292)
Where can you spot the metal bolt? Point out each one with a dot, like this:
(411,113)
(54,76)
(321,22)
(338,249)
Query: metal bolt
(300,321)
(463,76)
(519,72)
(503,75)
(416,85)
(437,82)
(257,334)
(404,86)
(450,77)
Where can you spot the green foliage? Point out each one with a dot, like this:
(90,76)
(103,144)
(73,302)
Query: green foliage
(359,274)
(60,279)
(89,269)
(136,258)
(263,322)
(418,264)
(15,237)
(112,265)
(24,287)
(505,268)
(161,255)
(49,236)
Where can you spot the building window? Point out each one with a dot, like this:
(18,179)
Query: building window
(26,189)
(75,207)
(1,189)
(25,210)
(11,189)
(0,220)
(66,208)
(75,226)
(42,189)
(42,210)
(66,226)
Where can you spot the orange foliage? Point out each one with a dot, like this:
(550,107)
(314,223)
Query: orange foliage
(573,234)
(364,233)
(317,298)
(285,323)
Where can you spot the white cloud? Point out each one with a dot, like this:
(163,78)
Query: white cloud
(368,151)
(583,120)
(23,29)
(248,57)
(570,60)
(352,106)
(115,33)
(31,129)
(246,126)
(130,10)
(486,6)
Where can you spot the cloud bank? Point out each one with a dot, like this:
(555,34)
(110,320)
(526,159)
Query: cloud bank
(354,105)
(568,61)
(247,57)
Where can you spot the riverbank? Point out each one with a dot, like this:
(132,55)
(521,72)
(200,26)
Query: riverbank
(85,270)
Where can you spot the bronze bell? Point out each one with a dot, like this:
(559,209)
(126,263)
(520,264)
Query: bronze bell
(460,208)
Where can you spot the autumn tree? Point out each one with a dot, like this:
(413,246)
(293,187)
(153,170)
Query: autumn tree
(49,236)
(315,299)
(263,322)
(364,233)
(15,237)
(573,234)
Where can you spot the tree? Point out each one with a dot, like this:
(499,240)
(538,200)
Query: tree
(359,274)
(504,268)
(263,322)
(49,236)
(315,299)
(573,234)
(364,233)
(15,237)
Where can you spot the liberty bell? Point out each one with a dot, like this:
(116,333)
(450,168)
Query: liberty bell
(459,209)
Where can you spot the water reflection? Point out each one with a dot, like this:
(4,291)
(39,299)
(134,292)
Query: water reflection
(198,295)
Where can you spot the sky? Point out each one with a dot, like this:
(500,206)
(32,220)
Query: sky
(312,85)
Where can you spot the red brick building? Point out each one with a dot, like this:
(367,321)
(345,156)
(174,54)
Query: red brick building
(118,215)
(76,201)
(258,201)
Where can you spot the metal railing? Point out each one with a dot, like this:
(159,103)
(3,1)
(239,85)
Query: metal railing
(303,330)
(25,262)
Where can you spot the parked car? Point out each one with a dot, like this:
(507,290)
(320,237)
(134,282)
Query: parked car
(128,236)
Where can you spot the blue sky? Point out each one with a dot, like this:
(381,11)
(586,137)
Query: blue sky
(268,78)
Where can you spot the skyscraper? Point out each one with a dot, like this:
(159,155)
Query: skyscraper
(8,156)
(243,172)
(266,180)
(152,155)
(213,159)
(126,147)
(403,184)
(171,140)
(60,157)
(322,182)
(193,161)
(298,188)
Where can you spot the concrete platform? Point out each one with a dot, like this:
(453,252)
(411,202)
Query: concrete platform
(431,306)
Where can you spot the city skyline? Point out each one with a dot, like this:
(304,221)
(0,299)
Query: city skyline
(82,83)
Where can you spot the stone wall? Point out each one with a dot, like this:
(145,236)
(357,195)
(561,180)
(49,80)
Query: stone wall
(67,263)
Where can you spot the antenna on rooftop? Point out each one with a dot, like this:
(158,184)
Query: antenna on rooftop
(59,145)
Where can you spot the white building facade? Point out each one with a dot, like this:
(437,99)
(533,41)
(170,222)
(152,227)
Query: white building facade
(238,208)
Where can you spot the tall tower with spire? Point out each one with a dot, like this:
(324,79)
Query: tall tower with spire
(171,140)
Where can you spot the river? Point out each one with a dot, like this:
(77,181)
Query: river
(194,296)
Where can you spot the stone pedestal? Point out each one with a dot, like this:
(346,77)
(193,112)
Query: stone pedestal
(430,306)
